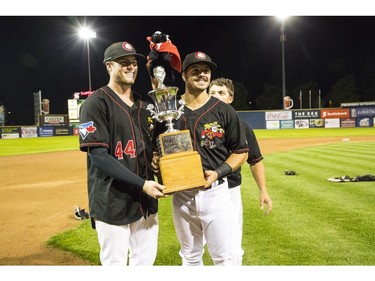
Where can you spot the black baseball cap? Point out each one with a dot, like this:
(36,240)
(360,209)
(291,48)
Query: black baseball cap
(197,57)
(120,49)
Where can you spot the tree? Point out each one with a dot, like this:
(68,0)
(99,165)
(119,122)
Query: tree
(344,90)
(271,98)
(241,97)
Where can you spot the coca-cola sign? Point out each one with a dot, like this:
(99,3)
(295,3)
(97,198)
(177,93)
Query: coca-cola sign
(278,115)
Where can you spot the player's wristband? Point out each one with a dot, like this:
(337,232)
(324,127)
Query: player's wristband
(223,170)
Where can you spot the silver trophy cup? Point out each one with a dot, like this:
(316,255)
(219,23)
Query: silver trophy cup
(165,102)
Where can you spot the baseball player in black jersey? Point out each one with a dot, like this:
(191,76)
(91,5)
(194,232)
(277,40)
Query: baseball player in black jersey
(223,89)
(115,132)
(216,133)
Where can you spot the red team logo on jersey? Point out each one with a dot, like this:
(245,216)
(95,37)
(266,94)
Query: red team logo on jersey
(210,132)
(86,128)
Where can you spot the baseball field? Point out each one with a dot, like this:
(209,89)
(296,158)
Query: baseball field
(314,221)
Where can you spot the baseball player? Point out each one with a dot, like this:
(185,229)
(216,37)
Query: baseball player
(216,133)
(115,132)
(223,89)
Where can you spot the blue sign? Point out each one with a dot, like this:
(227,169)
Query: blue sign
(45,131)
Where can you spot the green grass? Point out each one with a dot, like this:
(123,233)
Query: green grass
(314,221)
(61,143)
(314,133)
(37,145)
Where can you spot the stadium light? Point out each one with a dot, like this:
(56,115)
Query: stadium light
(87,34)
(283,40)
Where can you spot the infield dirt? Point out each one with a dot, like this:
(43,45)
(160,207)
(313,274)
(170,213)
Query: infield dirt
(39,191)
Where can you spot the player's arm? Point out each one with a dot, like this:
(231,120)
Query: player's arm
(257,167)
(102,160)
(233,162)
(259,175)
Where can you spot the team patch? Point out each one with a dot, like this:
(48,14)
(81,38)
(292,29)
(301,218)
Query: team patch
(86,128)
(210,133)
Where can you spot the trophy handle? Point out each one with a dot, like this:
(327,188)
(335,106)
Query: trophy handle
(154,115)
(180,110)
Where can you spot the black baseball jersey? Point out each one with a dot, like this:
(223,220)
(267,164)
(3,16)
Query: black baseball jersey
(106,121)
(235,178)
(215,130)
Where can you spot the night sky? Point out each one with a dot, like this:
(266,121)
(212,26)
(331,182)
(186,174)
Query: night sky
(45,52)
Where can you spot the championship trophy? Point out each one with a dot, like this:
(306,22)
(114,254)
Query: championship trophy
(180,166)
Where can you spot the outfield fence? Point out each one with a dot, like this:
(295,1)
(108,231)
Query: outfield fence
(349,115)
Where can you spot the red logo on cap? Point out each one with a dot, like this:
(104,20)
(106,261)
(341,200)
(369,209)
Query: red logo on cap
(127,46)
(200,55)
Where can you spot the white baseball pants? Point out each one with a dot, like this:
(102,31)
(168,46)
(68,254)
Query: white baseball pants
(204,213)
(138,240)
(237,222)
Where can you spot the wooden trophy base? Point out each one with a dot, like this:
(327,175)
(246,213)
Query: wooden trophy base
(180,171)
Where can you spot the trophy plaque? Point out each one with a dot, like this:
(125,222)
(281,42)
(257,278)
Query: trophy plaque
(180,166)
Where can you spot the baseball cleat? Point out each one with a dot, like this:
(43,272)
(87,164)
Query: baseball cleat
(80,214)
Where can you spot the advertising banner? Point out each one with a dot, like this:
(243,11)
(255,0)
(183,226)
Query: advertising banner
(348,123)
(278,115)
(54,120)
(45,131)
(286,124)
(332,123)
(316,123)
(304,114)
(272,125)
(29,132)
(10,132)
(364,122)
(356,104)
(301,123)
(335,113)
(74,106)
(362,112)
(61,131)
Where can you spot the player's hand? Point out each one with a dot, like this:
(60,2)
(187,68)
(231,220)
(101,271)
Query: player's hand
(210,177)
(155,163)
(264,198)
(154,189)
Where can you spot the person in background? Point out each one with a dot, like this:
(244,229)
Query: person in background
(223,89)
(116,134)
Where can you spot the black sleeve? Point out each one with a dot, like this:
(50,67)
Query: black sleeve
(109,165)
(255,154)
